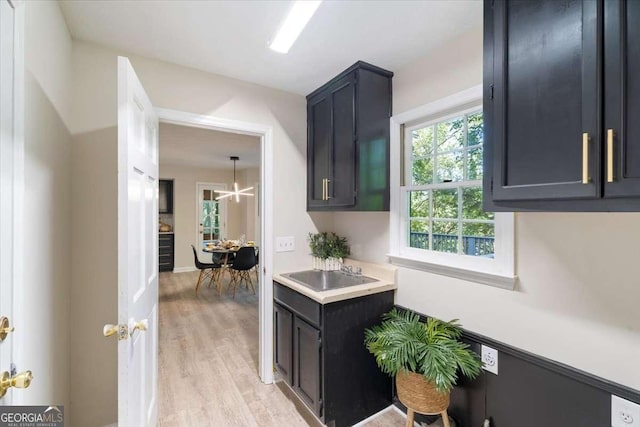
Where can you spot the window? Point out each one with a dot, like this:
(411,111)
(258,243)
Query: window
(443,187)
(437,221)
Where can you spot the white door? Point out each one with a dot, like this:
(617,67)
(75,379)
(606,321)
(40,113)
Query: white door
(137,252)
(10,190)
(211,214)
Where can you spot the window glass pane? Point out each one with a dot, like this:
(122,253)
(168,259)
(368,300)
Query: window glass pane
(419,204)
(445,203)
(423,171)
(445,236)
(450,167)
(478,239)
(419,234)
(472,204)
(474,164)
(474,129)
(450,135)
(422,142)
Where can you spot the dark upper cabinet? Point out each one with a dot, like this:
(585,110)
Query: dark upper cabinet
(622,98)
(549,82)
(348,141)
(165,196)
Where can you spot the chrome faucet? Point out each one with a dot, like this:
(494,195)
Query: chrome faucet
(350,270)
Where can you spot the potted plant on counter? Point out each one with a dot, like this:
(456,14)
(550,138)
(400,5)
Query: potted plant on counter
(328,250)
(424,357)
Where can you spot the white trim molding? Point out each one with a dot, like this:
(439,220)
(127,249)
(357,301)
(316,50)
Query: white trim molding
(265,133)
(498,271)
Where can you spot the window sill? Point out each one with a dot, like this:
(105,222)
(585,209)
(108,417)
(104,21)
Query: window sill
(507,282)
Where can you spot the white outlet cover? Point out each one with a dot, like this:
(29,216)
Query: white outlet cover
(490,359)
(624,413)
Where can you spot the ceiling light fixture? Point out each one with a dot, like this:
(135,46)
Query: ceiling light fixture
(296,20)
(237,193)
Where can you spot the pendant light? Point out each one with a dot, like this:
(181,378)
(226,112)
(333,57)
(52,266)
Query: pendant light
(235,193)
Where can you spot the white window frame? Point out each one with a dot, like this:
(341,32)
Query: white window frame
(498,271)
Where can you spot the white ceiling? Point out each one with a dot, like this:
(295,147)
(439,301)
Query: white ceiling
(204,148)
(231,37)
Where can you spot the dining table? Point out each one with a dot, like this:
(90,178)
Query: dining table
(226,251)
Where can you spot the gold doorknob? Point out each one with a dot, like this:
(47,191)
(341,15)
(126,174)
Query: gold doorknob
(5,328)
(21,380)
(139,326)
(121,330)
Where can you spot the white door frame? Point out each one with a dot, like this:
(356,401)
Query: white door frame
(265,133)
(12,226)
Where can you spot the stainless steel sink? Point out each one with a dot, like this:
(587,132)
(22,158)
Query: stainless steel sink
(326,280)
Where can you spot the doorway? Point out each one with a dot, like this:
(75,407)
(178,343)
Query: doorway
(261,204)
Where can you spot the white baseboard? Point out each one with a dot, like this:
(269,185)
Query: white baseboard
(184,269)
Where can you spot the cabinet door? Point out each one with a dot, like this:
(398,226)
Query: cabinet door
(622,98)
(306,365)
(342,185)
(545,100)
(318,149)
(283,342)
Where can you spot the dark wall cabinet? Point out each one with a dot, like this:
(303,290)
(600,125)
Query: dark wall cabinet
(165,196)
(165,251)
(348,141)
(561,82)
(319,352)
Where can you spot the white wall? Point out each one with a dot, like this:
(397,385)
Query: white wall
(184,203)
(47,237)
(94,288)
(577,301)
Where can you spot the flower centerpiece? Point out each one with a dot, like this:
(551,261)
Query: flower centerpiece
(328,250)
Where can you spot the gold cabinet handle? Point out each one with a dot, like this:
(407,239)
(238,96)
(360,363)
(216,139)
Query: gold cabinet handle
(121,330)
(609,155)
(139,326)
(5,328)
(585,158)
(21,380)
(328,181)
(324,188)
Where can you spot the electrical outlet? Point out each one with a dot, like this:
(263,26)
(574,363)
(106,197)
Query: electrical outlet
(285,244)
(624,413)
(490,360)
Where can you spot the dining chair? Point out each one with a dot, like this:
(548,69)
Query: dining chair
(207,270)
(243,263)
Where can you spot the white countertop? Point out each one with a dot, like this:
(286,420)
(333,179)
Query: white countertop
(385,273)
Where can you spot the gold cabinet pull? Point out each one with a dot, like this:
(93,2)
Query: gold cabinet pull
(121,330)
(324,188)
(5,328)
(21,380)
(585,158)
(328,181)
(609,155)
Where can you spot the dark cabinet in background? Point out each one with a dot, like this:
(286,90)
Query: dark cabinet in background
(348,141)
(165,196)
(165,251)
(548,82)
(319,352)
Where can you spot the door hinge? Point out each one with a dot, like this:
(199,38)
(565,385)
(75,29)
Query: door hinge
(491,88)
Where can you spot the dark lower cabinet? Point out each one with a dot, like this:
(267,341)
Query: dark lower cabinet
(165,251)
(320,353)
(561,89)
(283,343)
(307,365)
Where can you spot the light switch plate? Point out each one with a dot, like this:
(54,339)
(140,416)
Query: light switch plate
(624,413)
(490,359)
(285,244)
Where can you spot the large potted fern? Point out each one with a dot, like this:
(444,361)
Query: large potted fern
(424,357)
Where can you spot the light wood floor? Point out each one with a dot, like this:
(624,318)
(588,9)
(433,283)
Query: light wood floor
(208,361)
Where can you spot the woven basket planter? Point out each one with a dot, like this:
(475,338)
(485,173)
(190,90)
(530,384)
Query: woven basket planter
(417,393)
